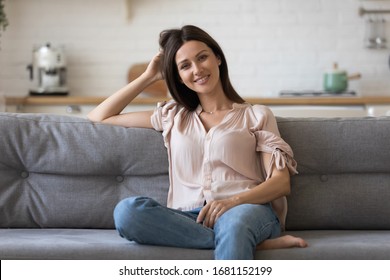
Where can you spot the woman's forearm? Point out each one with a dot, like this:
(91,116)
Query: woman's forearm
(115,103)
(276,186)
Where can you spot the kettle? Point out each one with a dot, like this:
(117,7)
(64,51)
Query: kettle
(336,80)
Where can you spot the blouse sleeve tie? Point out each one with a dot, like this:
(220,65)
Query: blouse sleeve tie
(281,153)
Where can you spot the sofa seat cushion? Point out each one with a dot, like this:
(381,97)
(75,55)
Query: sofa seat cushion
(85,244)
(335,245)
(108,245)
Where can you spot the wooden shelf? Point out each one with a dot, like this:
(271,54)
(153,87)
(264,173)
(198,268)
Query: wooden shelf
(283,101)
(333,101)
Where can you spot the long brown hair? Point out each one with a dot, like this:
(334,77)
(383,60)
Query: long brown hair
(170,42)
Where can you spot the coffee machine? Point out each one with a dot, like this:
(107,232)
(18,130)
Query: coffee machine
(48,71)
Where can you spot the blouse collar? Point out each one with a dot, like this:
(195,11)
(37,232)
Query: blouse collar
(199,109)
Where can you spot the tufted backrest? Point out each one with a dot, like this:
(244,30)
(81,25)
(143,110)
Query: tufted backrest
(61,171)
(58,171)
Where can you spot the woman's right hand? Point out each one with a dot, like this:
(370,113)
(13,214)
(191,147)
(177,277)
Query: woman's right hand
(109,111)
(153,71)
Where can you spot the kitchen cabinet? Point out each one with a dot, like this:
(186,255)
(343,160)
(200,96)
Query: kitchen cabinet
(329,106)
(282,106)
(378,110)
(319,111)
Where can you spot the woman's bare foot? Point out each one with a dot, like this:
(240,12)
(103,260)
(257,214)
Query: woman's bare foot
(285,241)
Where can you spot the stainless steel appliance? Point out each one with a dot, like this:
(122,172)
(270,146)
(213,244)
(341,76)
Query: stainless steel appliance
(48,71)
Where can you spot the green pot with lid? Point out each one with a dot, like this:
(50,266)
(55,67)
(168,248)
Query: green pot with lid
(336,80)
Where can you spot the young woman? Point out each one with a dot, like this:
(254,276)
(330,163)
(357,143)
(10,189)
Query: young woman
(229,168)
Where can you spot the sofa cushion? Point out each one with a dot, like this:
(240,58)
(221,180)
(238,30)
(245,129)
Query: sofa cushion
(335,245)
(61,171)
(344,173)
(85,244)
(100,244)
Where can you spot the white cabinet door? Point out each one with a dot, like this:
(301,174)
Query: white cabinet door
(378,110)
(319,111)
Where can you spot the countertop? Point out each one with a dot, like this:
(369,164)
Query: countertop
(315,100)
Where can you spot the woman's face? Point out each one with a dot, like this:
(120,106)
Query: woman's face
(198,67)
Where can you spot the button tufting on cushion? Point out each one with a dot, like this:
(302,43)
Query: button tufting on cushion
(324,178)
(119,179)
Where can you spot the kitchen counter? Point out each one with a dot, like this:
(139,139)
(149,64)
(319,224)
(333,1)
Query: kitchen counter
(328,100)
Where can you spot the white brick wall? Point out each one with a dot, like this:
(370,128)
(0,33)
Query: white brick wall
(271,45)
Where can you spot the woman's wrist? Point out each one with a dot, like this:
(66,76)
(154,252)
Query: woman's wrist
(149,79)
(236,200)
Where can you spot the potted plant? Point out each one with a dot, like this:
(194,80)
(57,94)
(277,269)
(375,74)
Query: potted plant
(3,17)
(3,25)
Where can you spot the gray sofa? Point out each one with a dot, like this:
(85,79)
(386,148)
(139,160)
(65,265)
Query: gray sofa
(60,178)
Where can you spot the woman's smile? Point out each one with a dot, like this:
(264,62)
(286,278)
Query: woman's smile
(202,80)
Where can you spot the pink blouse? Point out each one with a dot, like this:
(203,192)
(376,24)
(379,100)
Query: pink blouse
(222,162)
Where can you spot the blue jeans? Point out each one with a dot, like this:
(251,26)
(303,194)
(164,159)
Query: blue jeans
(235,235)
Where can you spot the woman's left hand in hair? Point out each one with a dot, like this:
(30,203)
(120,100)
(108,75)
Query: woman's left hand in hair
(213,210)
